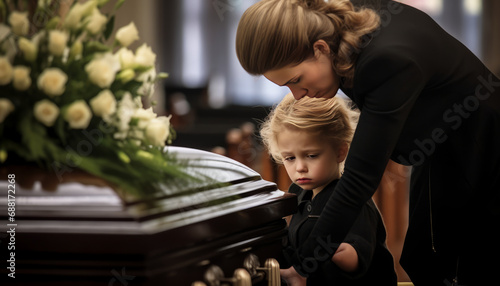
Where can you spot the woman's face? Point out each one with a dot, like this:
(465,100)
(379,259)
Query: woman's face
(313,77)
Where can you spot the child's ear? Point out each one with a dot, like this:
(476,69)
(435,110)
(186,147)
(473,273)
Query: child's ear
(342,152)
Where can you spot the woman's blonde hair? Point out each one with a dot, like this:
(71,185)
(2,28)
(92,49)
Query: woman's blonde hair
(330,117)
(276,33)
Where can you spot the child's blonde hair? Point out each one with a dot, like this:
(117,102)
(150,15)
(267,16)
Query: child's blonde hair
(276,33)
(328,116)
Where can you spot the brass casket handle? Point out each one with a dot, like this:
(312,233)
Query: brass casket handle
(270,271)
(241,277)
(273,272)
(214,276)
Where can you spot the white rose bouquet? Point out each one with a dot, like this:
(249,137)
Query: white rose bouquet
(69,100)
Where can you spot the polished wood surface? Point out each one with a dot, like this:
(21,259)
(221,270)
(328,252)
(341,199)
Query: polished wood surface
(82,232)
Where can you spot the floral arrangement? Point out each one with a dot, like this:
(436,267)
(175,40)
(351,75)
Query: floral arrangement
(68,99)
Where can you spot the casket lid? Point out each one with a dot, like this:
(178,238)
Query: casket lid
(85,206)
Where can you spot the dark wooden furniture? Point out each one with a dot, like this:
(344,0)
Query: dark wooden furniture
(84,233)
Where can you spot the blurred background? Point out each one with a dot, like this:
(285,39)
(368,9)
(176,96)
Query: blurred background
(208,93)
(215,105)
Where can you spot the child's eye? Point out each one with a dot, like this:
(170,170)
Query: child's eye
(289,158)
(312,156)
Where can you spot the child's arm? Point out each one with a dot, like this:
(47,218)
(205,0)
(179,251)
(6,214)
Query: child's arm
(346,257)
(358,248)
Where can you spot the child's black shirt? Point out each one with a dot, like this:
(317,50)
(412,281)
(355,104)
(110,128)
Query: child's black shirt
(367,236)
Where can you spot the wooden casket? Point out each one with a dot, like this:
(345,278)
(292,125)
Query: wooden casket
(84,233)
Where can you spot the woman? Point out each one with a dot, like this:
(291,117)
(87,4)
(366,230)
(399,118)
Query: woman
(425,101)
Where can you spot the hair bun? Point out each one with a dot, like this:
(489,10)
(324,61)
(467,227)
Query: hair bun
(273,34)
(312,4)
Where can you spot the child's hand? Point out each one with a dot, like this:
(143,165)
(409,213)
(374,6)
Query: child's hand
(346,257)
(292,278)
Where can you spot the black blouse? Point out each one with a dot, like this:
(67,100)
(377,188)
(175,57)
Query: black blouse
(421,93)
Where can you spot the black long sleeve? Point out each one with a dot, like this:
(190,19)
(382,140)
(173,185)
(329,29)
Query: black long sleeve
(409,80)
(387,104)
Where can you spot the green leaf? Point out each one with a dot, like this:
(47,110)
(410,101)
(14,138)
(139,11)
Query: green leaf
(95,47)
(163,75)
(3,10)
(18,149)
(33,135)
(118,4)
(60,129)
(109,27)
(134,121)
(141,69)
(52,24)
(131,86)
(101,3)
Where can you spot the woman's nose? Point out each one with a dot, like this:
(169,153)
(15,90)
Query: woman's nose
(298,92)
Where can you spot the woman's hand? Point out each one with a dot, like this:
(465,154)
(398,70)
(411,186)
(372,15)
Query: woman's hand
(346,257)
(292,278)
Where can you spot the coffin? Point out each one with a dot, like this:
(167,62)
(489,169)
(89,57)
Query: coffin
(85,233)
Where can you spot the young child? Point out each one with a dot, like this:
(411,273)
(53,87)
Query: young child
(311,138)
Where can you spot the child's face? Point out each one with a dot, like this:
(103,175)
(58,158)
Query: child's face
(310,161)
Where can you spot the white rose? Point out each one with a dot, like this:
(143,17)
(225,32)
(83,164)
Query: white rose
(57,42)
(5,31)
(77,13)
(103,104)
(22,79)
(43,3)
(144,56)
(19,23)
(52,81)
(6,107)
(127,35)
(6,72)
(138,101)
(73,17)
(7,43)
(46,112)
(29,49)
(144,116)
(125,111)
(78,114)
(97,21)
(102,70)
(148,84)
(158,131)
(126,58)
(9,48)
(137,135)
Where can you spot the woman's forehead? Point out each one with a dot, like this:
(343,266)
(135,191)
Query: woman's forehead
(282,75)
